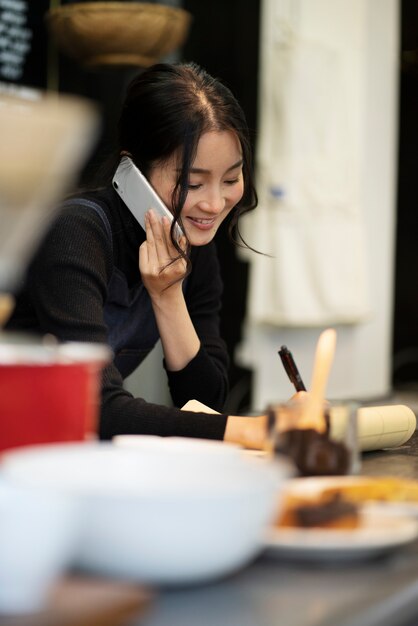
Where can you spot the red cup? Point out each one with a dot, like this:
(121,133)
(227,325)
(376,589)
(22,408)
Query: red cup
(49,393)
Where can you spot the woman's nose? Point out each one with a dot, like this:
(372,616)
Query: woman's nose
(213,202)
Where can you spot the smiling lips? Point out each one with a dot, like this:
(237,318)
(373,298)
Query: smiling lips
(201,223)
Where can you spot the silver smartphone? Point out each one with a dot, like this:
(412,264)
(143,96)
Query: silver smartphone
(138,194)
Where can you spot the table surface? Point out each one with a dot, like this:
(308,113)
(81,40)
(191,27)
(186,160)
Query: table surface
(273,592)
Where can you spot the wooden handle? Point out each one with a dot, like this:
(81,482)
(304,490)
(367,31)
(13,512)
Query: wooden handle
(313,413)
(6,307)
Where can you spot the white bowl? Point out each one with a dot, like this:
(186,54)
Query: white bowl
(183,449)
(161,518)
(38,531)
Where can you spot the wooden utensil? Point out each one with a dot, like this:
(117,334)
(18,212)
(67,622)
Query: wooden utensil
(313,411)
(6,307)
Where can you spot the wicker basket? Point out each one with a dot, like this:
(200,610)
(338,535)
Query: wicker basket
(118,33)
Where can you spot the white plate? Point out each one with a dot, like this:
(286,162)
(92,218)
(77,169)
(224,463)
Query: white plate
(312,486)
(381,530)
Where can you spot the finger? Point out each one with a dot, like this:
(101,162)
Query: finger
(167,251)
(182,242)
(166,224)
(158,239)
(299,396)
(143,258)
(172,250)
(150,242)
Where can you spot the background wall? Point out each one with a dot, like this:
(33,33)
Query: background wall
(405,335)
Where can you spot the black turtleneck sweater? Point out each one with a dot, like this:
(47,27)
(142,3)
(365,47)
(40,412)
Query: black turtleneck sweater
(64,293)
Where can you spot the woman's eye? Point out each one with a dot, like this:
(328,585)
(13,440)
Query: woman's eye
(195,186)
(232,181)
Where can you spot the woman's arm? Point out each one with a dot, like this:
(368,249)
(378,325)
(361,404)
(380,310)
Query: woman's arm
(195,356)
(163,274)
(249,432)
(252,432)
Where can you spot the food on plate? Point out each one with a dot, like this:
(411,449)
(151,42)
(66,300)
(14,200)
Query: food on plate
(325,512)
(383,489)
(337,502)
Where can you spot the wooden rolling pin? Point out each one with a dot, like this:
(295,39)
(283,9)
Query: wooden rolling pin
(378,427)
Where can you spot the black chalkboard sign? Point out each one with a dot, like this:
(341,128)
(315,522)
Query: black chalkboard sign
(23,43)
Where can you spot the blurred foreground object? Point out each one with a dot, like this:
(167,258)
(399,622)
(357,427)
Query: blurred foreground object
(49,392)
(314,451)
(118,33)
(43,143)
(100,602)
(159,510)
(38,531)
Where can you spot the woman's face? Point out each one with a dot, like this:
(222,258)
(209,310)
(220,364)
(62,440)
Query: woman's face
(216,184)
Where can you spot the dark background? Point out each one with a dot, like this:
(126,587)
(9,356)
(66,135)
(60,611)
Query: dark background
(405,328)
(225,41)
(24,43)
(224,38)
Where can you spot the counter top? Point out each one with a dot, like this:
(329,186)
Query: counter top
(401,462)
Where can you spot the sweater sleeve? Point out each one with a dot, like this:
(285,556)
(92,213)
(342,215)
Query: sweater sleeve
(65,292)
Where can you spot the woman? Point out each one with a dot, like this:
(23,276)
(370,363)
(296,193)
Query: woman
(99,277)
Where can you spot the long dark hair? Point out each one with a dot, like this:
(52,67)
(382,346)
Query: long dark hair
(166,110)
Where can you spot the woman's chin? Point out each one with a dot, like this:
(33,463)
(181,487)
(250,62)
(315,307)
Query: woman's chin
(200,238)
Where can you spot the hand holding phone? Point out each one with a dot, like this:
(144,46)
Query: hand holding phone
(138,194)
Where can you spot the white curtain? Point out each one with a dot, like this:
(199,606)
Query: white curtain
(309,167)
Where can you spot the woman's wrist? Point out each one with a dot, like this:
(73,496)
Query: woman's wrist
(247,431)
(167,299)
